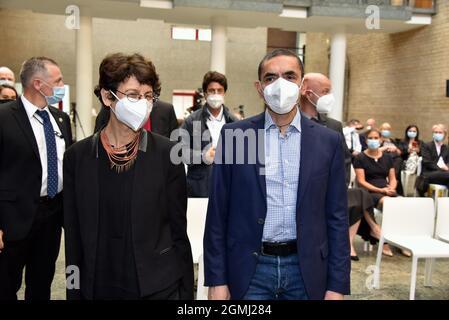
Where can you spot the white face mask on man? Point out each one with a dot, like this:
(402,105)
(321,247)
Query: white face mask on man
(133,114)
(324,103)
(215,100)
(281,96)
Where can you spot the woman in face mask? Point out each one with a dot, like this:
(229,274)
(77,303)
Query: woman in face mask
(435,157)
(7,93)
(125,200)
(375,172)
(411,148)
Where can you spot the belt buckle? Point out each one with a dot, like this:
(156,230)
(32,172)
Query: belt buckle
(266,254)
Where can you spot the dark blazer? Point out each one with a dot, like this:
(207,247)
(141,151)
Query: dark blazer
(430,156)
(198,173)
(238,205)
(163,118)
(338,127)
(403,146)
(20,168)
(159,228)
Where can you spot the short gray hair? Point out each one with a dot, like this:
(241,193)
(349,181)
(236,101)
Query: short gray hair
(34,66)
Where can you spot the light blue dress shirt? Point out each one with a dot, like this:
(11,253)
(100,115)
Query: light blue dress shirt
(282,164)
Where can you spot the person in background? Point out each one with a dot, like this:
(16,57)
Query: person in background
(33,138)
(352,137)
(204,126)
(375,172)
(7,76)
(390,146)
(125,200)
(411,148)
(435,157)
(7,93)
(316,102)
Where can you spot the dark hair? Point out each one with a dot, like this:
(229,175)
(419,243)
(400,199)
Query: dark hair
(276,53)
(408,128)
(118,67)
(214,76)
(7,86)
(33,66)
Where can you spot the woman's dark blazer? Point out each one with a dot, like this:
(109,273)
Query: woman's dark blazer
(159,228)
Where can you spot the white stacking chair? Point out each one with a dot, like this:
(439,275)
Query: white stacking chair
(442,228)
(196,220)
(201,290)
(408,223)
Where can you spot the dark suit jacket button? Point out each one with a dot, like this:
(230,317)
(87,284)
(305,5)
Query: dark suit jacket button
(255,254)
(261,221)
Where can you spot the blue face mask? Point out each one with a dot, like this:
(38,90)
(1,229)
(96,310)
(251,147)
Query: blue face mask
(373,144)
(412,134)
(58,95)
(438,137)
(386,133)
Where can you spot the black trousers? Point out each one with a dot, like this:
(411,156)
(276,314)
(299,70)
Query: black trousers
(37,253)
(438,177)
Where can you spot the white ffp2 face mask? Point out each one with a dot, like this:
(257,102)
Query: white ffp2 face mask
(281,96)
(325,103)
(215,100)
(133,114)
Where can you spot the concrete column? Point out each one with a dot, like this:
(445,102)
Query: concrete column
(218,45)
(84,81)
(337,73)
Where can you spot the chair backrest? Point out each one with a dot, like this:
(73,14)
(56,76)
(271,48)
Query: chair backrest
(196,220)
(201,290)
(408,217)
(442,227)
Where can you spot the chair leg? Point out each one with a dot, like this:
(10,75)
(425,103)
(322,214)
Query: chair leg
(378,261)
(428,273)
(413,281)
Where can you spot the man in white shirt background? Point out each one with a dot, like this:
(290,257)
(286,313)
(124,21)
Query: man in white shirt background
(352,136)
(202,130)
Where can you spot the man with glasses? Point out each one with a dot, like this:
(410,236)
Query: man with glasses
(33,139)
(203,128)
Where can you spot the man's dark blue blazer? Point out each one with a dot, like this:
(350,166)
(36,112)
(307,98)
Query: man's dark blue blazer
(237,210)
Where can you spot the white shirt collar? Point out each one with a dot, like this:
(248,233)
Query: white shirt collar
(217,118)
(31,108)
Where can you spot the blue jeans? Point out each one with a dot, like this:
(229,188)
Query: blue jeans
(277,278)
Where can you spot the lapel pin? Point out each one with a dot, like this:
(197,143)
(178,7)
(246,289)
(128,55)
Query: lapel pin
(60,120)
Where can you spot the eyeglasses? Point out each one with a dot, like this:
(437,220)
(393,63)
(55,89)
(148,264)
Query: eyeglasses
(135,97)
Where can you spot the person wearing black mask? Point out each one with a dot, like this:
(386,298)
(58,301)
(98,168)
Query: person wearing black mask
(7,93)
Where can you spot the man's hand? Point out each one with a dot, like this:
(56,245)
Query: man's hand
(209,155)
(2,245)
(331,295)
(219,293)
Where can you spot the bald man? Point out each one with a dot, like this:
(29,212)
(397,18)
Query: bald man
(7,76)
(316,101)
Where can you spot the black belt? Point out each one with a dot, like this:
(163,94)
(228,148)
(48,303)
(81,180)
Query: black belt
(279,248)
(47,199)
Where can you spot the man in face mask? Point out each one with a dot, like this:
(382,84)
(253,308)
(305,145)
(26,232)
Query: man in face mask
(285,204)
(7,76)
(33,139)
(203,127)
(316,102)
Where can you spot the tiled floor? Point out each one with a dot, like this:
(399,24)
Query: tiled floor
(395,278)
